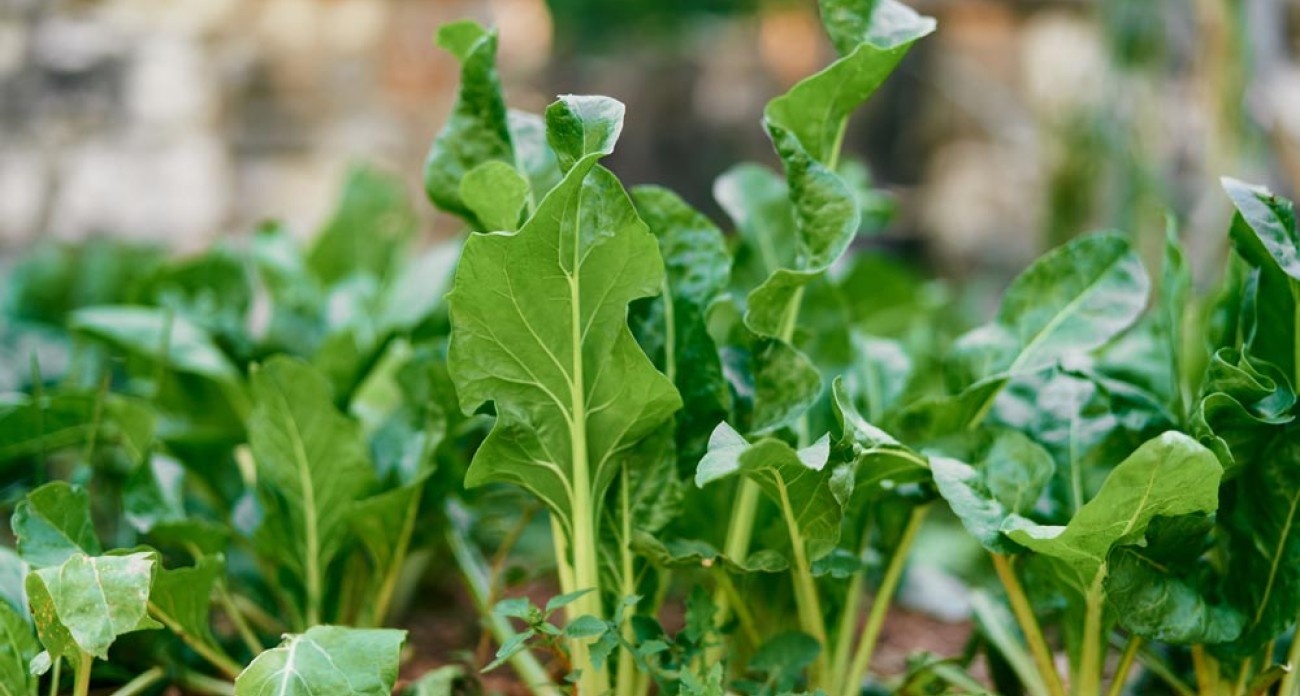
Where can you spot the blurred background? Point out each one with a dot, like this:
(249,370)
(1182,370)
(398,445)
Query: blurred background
(1017,125)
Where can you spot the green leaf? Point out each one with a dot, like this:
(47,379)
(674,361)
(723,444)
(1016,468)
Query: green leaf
(181,598)
(87,602)
(1262,524)
(478,129)
(672,327)
(1271,219)
(797,481)
(1163,600)
(758,203)
(327,660)
(693,553)
(539,327)
(879,462)
(146,330)
(586,626)
(53,524)
(1071,300)
(311,465)
(1243,404)
(988,477)
(17,648)
(368,231)
(534,157)
(807,127)
(1168,476)
(13,576)
(785,656)
(496,194)
(442,681)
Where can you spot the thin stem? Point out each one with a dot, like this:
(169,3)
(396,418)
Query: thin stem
(848,626)
(736,547)
(495,568)
(1024,614)
(1243,676)
(805,589)
(473,568)
(54,677)
(97,415)
(38,396)
(746,619)
(1125,666)
(81,686)
(385,595)
(194,682)
(1206,683)
(255,613)
(626,677)
(236,617)
(852,683)
(214,656)
(1152,663)
(142,682)
(1289,682)
(1093,652)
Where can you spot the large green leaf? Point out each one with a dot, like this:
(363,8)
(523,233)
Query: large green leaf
(478,129)
(1243,405)
(1157,589)
(539,327)
(797,481)
(1070,301)
(1261,517)
(1168,476)
(53,523)
(672,327)
(326,660)
(807,127)
(1271,220)
(13,576)
(311,465)
(17,648)
(87,602)
(879,462)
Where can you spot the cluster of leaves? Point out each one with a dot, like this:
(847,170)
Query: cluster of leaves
(770,418)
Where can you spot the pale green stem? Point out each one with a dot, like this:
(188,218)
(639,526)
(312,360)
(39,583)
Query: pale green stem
(385,596)
(805,590)
(1290,686)
(586,565)
(473,568)
(736,547)
(563,568)
(1024,614)
(746,619)
(1088,682)
(257,614)
(1152,663)
(1243,676)
(214,656)
(55,676)
(1125,666)
(670,333)
(848,627)
(852,682)
(193,682)
(38,396)
(81,686)
(141,683)
(245,631)
(626,679)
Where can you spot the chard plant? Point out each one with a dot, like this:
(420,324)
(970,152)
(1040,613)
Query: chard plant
(231,473)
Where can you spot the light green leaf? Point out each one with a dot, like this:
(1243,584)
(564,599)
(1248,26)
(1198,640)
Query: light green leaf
(1168,476)
(539,327)
(693,553)
(989,476)
(144,331)
(534,157)
(1070,301)
(326,660)
(13,576)
(88,602)
(17,648)
(442,681)
(369,230)
(53,523)
(311,465)
(797,481)
(181,598)
(880,463)
(496,194)
(477,130)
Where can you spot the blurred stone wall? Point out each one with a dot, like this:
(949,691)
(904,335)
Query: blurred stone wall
(1020,123)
